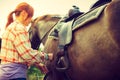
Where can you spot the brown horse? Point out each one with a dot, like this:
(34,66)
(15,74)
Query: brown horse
(94,51)
(40,28)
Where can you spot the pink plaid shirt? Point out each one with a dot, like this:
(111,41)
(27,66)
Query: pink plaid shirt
(16,47)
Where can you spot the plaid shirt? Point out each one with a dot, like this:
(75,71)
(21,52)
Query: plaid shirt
(16,47)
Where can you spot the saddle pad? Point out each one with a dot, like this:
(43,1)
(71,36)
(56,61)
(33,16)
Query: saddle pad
(85,18)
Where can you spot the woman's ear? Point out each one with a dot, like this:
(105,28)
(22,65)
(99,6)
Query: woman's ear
(24,14)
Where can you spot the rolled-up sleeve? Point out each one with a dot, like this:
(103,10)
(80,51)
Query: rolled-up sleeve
(26,53)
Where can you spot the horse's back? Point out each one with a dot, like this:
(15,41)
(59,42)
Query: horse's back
(113,18)
(94,51)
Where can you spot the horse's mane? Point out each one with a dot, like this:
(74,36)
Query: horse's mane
(47,17)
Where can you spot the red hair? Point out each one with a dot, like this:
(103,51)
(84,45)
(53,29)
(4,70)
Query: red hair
(20,7)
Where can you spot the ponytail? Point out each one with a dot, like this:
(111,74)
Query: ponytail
(22,6)
(10,19)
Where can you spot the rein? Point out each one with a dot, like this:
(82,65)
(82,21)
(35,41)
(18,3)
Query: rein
(46,34)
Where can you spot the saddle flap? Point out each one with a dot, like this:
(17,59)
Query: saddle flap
(65,33)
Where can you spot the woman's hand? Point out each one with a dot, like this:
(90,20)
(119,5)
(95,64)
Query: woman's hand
(42,68)
(50,56)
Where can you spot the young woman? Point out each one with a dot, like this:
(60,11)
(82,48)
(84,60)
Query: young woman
(16,52)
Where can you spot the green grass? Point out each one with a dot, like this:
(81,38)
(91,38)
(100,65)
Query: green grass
(34,74)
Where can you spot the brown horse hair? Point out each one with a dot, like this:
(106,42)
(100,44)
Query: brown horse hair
(46,18)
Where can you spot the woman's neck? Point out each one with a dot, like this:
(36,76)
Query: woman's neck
(19,19)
